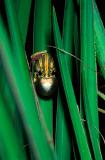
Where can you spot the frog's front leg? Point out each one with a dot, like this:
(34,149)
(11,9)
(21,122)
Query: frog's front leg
(35,77)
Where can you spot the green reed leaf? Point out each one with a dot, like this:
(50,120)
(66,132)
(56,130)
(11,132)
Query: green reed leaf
(73,108)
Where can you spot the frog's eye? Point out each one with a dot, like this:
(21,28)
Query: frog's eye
(40,73)
(53,72)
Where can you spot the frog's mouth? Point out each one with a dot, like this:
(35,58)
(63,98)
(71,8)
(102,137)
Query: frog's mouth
(46,86)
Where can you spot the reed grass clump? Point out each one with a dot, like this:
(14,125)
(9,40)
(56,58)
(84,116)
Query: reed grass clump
(66,125)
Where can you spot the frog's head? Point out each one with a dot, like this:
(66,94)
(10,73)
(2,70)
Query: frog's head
(45,79)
